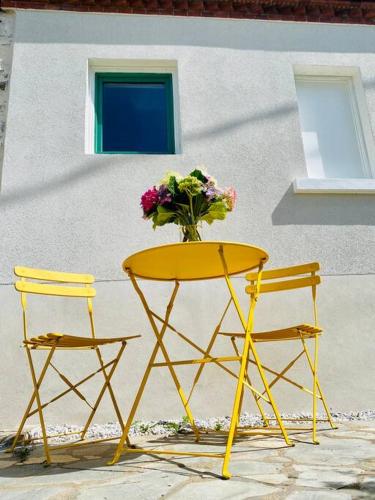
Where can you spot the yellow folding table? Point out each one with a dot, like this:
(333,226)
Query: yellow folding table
(195,261)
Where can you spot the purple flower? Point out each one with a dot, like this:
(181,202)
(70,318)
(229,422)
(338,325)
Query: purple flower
(165,196)
(212,192)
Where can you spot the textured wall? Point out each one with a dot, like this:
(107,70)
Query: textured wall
(6,39)
(346,349)
(61,208)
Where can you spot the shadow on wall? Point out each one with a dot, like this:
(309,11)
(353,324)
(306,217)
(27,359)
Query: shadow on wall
(324,210)
(299,209)
(89,168)
(230,126)
(97,164)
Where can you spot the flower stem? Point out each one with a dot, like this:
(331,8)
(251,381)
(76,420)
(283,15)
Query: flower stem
(191,209)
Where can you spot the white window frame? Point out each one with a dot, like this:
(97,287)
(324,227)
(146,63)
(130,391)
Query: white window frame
(362,126)
(127,66)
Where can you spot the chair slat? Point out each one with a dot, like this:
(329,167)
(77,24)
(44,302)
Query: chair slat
(62,340)
(45,275)
(284,272)
(62,291)
(284,285)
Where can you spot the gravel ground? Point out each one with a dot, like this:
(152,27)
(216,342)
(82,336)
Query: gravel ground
(180,426)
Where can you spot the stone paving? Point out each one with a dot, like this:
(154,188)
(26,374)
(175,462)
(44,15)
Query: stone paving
(342,467)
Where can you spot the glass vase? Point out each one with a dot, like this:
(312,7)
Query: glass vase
(190,233)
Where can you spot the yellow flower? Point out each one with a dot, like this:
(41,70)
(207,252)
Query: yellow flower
(190,185)
(170,174)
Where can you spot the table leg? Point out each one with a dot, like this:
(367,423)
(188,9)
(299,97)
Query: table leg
(159,336)
(144,380)
(247,347)
(241,377)
(158,345)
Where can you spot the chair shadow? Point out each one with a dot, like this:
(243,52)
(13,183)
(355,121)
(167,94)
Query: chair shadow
(213,439)
(64,460)
(95,456)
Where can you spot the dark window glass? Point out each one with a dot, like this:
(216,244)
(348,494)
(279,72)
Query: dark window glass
(135,116)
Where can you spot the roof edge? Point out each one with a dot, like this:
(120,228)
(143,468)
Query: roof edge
(323,11)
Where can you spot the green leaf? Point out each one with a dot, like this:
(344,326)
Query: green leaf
(199,175)
(173,185)
(216,211)
(199,205)
(184,206)
(162,216)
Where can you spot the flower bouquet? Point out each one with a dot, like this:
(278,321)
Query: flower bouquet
(187,202)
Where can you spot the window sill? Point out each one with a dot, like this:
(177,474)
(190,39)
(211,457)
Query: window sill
(334,186)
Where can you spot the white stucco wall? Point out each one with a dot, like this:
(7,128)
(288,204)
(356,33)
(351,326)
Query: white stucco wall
(6,50)
(62,208)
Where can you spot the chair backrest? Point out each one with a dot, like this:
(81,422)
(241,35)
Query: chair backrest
(279,282)
(54,283)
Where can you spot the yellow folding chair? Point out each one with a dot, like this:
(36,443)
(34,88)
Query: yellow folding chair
(54,284)
(302,332)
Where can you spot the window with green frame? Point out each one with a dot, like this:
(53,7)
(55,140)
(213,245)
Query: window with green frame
(134,113)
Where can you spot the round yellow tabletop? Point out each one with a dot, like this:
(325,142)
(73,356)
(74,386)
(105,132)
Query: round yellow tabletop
(198,260)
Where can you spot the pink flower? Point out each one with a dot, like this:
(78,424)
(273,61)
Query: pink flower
(149,199)
(230,197)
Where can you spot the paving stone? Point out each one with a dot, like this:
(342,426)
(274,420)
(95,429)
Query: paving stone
(334,452)
(271,478)
(263,472)
(368,465)
(319,477)
(219,489)
(279,460)
(342,468)
(319,495)
(367,484)
(40,493)
(143,486)
(249,467)
(367,434)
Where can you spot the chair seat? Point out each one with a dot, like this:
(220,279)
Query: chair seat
(291,333)
(64,341)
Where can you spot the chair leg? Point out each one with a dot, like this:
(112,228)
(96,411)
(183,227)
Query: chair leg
(266,422)
(315,441)
(248,345)
(112,395)
(270,396)
(31,402)
(105,386)
(22,424)
(236,405)
(325,405)
(256,398)
(240,405)
(37,396)
(324,401)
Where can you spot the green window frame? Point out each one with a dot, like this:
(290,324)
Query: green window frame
(101,78)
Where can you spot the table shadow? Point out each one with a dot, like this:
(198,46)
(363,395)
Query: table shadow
(95,456)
